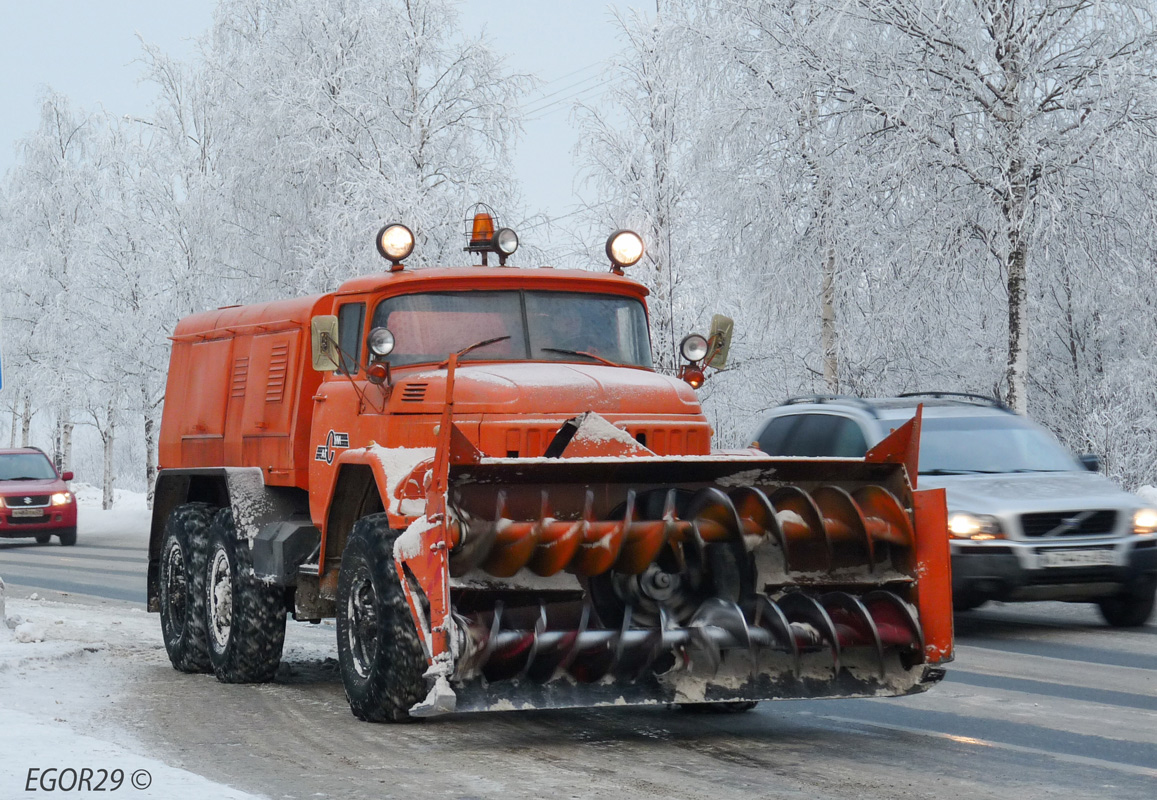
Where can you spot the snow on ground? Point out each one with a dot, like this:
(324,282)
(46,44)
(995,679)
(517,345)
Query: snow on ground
(65,663)
(130,512)
(1148,494)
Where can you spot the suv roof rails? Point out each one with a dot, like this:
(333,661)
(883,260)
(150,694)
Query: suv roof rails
(832,398)
(984,399)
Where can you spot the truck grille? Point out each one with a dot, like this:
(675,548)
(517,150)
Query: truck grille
(1069,523)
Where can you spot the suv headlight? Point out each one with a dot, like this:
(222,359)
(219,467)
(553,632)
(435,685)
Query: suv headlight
(1145,521)
(61,498)
(978,527)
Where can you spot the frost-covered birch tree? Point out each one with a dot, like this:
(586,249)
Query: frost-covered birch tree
(50,201)
(1013,102)
(639,149)
(348,113)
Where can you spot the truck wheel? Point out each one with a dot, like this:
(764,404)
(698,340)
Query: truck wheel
(68,537)
(43,538)
(244,615)
(1128,609)
(379,652)
(182,596)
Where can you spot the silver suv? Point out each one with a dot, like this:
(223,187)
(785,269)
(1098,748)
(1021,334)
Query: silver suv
(1027,520)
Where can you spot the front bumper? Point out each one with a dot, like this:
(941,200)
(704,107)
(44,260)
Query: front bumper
(51,520)
(1008,570)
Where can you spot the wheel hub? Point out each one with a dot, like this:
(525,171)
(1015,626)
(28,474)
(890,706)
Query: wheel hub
(362,612)
(220,599)
(176,585)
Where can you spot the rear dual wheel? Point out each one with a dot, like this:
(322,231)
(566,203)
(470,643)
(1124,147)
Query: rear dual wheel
(182,582)
(244,616)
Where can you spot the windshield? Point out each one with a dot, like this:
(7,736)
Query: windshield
(542,326)
(989,444)
(26,466)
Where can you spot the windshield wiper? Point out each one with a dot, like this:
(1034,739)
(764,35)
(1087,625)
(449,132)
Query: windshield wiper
(579,353)
(25,478)
(959,472)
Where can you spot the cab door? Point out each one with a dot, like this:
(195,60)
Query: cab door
(340,406)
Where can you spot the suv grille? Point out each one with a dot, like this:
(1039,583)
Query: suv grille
(17,500)
(1069,523)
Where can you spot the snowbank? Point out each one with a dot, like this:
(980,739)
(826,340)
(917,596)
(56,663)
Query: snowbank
(130,512)
(1148,494)
(59,675)
(44,755)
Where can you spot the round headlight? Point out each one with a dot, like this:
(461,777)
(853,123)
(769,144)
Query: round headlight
(395,242)
(506,241)
(624,248)
(693,347)
(381,342)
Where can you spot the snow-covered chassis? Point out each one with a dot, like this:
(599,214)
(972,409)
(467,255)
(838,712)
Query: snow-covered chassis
(523,524)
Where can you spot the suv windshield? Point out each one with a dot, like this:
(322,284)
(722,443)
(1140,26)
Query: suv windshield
(541,326)
(989,444)
(26,466)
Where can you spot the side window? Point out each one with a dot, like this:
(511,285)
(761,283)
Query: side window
(351,320)
(775,434)
(848,440)
(826,435)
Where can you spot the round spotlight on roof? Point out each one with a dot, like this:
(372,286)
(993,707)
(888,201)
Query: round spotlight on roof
(505,241)
(395,242)
(624,249)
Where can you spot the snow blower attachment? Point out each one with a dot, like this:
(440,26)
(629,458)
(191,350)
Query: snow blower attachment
(629,578)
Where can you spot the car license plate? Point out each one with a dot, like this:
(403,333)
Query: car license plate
(1076,558)
(27,512)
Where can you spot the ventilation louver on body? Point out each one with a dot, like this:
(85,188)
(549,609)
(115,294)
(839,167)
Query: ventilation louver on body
(278,367)
(414,392)
(240,376)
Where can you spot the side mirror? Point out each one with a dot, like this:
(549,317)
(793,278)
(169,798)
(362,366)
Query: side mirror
(323,338)
(66,477)
(1091,462)
(719,338)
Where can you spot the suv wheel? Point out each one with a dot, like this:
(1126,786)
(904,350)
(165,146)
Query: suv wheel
(1128,609)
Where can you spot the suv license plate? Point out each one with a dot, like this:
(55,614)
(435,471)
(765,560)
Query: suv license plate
(28,512)
(1076,558)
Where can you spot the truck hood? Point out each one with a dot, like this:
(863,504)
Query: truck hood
(1029,492)
(546,388)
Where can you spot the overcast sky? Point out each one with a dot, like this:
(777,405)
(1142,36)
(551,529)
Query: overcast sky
(87,50)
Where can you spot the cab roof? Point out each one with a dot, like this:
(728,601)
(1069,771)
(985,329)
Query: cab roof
(457,278)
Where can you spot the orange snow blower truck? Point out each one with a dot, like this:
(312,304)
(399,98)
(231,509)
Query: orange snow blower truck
(479,473)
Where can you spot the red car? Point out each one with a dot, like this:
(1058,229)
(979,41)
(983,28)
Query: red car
(35,500)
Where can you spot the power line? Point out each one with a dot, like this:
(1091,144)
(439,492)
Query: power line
(537,105)
(550,108)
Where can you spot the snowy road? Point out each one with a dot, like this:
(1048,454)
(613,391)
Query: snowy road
(1042,702)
